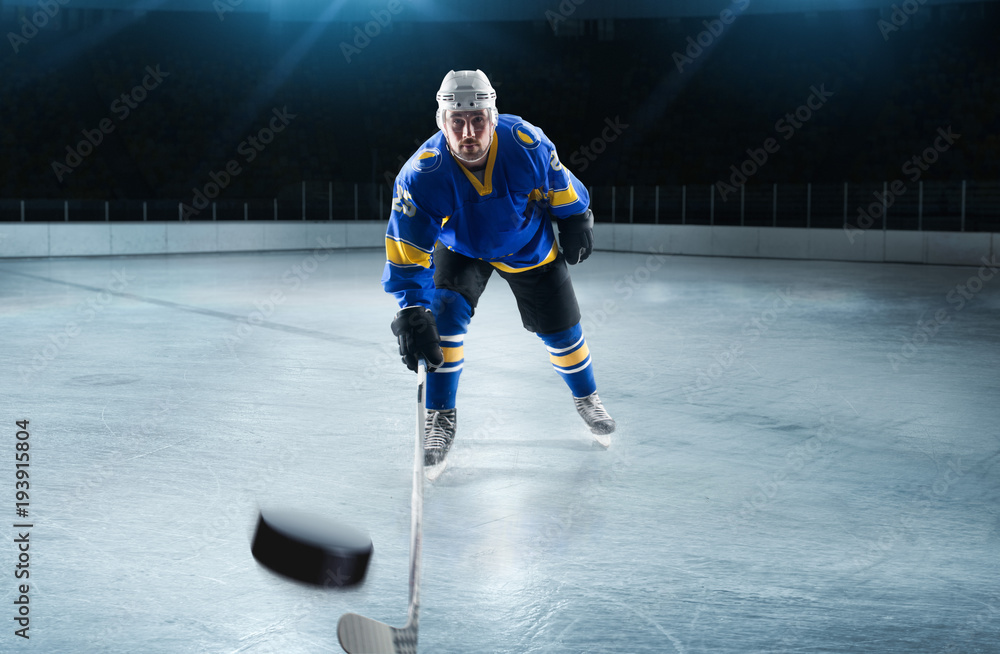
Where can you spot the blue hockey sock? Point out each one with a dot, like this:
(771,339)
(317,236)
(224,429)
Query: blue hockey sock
(570,356)
(442,384)
(452,314)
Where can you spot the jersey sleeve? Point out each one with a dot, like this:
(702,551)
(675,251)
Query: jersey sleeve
(409,246)
(566,196)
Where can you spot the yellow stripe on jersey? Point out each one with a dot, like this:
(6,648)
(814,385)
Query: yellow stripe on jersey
(452,354)
(404,254)
(553,253)
(572,358)
(565,196)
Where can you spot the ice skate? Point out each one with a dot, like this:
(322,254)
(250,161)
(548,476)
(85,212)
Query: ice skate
(596,417)
(439,433)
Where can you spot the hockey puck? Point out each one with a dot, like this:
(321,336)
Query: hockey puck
(310,548)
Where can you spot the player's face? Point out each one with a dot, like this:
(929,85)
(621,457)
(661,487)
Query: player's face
(469,134)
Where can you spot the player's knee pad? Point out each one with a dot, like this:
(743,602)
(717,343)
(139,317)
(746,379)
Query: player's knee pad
(563,338)
(451,311)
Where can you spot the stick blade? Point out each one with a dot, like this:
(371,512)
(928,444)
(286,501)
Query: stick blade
(361,635)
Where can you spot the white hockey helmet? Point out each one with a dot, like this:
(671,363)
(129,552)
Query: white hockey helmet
(466,90)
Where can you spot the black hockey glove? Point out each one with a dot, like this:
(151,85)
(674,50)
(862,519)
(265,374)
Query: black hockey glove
(417,332)
(576,236)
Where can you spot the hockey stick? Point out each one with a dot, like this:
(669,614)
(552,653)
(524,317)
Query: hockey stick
(361,635)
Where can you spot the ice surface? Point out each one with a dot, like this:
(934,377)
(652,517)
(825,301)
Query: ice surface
(798,466)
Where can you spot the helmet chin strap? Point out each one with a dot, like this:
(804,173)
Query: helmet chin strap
(493,135)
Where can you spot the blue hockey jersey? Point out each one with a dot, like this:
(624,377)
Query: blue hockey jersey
(504,220)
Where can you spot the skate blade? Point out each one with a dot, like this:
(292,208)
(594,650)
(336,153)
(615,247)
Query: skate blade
(435,471)
(604,440)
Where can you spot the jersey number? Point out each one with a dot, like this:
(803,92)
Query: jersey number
(403,202)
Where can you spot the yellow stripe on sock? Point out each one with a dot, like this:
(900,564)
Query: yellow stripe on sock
(452,354)
(572,358)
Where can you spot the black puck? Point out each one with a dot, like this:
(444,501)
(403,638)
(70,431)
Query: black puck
(310,548)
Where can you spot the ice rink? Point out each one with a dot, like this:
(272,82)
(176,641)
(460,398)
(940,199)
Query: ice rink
(807,458)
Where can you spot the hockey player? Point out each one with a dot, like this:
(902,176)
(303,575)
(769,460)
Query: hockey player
(485,189)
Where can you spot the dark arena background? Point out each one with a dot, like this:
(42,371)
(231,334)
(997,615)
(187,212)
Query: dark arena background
(792,308)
